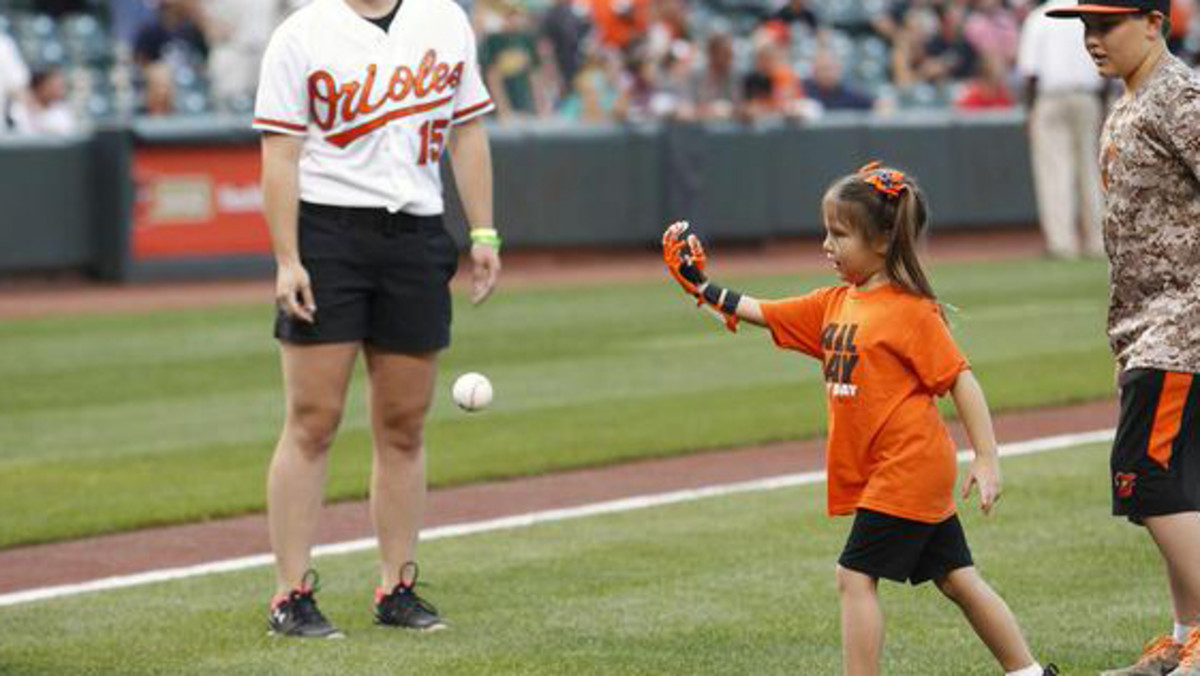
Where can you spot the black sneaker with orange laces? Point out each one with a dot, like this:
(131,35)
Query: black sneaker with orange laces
(297,615)
(402,607)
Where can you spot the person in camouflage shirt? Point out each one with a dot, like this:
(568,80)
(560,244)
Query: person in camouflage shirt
(1150,170)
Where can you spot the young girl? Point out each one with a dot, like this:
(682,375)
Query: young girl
(887,354)
(1150,168)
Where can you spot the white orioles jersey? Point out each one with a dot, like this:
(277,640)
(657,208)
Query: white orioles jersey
(376,109)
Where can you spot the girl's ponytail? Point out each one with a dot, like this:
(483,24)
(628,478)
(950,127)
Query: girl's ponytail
(902,263)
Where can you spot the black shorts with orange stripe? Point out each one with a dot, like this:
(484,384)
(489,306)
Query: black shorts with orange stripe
(1156,455)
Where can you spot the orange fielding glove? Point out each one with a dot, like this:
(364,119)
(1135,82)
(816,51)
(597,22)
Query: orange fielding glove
(686,260)
(684,265)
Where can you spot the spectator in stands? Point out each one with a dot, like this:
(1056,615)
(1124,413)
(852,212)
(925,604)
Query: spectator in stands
(715,90)
(668,29)
(128,16)
(159,96)
(237,31)
(639,100)
(890,22)
(487,17)
(595,92)
(910,37)
(512,66)
(14,79)
(45,111)
(991,28)
(929,47)
(564,28)
(948,54)
(989,88)
(797,12)
(1181,24)
(673,100)
(771,88)
(174,35)
(620,22)
(172,43)
(828,87)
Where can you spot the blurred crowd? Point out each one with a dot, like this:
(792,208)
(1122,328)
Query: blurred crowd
(691,59)
(74,61)
(62,61)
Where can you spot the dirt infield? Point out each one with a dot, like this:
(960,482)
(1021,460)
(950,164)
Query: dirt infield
(99,557)
(522,269)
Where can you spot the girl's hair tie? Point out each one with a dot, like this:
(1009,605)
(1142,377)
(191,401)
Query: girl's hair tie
(888,182)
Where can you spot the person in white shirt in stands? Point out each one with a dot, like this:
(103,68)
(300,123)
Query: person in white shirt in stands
(237,31)
(14,80)
(46,110)
(1064,98)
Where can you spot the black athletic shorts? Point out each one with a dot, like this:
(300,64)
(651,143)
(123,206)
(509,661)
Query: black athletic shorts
(377,278)
(1156,455)
(882,545)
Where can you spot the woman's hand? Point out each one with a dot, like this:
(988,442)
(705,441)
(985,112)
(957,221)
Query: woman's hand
(985,473)
(486,271)
(293,292)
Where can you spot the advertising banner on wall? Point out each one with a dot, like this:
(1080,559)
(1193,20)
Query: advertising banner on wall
(197,202)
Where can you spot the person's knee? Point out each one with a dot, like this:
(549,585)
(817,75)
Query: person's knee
(853,583)
(950,590)
(402,431)
(959,586)
(314,425)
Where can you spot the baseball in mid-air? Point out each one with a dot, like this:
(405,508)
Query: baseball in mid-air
(472,391)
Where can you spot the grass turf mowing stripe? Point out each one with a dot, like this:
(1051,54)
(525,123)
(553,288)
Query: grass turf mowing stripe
(116,423)
(516,521)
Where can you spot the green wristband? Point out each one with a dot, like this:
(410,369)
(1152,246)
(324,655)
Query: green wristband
(486,236)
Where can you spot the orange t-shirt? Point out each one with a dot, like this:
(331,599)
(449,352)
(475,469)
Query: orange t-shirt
(887,355)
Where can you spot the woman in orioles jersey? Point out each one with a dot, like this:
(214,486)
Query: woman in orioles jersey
(357,101)
(887,355)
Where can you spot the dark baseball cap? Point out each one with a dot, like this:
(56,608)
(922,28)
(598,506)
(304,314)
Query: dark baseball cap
(1111,7)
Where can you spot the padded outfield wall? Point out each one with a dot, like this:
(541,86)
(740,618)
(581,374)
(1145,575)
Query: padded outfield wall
(180,198)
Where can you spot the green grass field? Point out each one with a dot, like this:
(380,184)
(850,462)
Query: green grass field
(734,585)
(117,422)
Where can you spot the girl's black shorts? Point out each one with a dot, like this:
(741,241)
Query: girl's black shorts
(891,547)
(379,278)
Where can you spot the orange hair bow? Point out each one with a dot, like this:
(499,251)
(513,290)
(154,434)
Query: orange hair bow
(889,182)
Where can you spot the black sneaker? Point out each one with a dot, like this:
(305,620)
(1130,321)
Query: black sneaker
(298,615)
(1050,670)
(401,607)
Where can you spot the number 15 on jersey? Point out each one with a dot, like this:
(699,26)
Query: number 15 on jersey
(433,140)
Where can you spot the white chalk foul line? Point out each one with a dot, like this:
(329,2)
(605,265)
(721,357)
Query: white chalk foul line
(510,522)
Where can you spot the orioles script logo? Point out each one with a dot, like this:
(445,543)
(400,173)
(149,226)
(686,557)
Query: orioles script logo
(330,102)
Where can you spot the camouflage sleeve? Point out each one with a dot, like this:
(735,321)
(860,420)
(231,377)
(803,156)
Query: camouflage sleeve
(1178,129)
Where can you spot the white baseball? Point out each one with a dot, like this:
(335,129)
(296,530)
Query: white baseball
(472,391)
